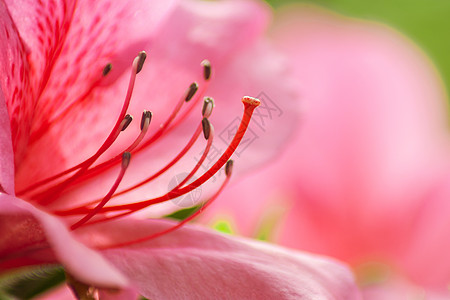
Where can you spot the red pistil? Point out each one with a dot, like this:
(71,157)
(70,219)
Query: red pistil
(249,105)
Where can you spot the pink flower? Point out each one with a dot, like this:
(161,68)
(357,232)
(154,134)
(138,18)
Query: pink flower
(364,178)
(59,111)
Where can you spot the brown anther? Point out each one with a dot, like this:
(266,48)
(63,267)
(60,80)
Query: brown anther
(126,122)
(193,88)
(142,56)
(146,115)
(206,69)
(251,101)
(229,167)
(208,105)
(107,69)
(126,156)
(206,125)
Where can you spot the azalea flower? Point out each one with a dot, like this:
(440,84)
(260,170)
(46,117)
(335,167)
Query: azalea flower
(365,179)
(73,162)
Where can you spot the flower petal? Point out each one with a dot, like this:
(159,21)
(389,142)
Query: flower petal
(6,151)
(424,257)
(31,236)
(397,288)
(372,138)
(15,80)
(192,263)
(69,44)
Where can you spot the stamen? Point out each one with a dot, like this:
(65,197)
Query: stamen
(250,104)
(206,128)
(126,122)
(141,59)
(228,172)
(55,191)
(126,156)
(164,128)
(208,105)
(146,119)
(229,167)
(76,210)
(202,158)
(193,88)
(206,69)
(123,125)
(145,123)
(107,69)
(186,113)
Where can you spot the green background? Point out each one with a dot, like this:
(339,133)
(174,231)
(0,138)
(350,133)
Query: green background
(426,22)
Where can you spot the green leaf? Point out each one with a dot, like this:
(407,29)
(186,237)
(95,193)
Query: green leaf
(183,213)
(28,283)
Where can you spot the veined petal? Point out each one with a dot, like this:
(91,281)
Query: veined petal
(30,236)
(192,263)
(6,150)
(69,43)
(15,81)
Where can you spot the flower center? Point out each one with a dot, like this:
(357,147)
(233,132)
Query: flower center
(51,189)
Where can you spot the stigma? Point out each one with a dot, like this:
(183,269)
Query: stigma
(50,190)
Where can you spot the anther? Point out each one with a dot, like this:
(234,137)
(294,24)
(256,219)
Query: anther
(126,122)
(142,56)
(146,118)
(126,156)
(208,105)
(193,88)
(206,128)
(206,69)
(107,69)
(229,167)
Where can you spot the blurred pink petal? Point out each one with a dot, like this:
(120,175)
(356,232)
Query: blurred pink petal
(398,289)
(359,179)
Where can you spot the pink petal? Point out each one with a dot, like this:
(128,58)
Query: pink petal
(15,81)
(22,224)
(192,263)
(357,180)
(70,42)
(425,257)
(6,151)
(397,288)
(372,136)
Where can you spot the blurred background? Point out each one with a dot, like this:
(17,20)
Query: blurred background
(426,22)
